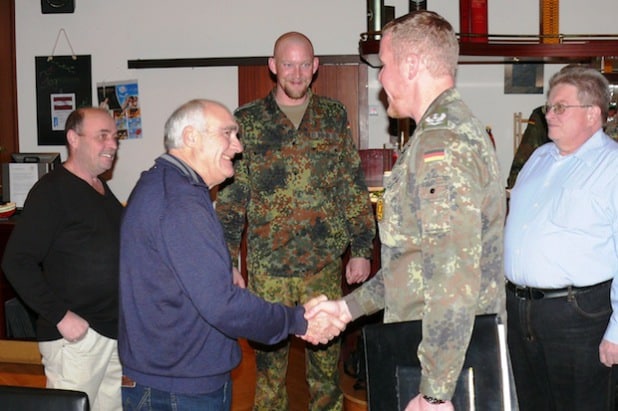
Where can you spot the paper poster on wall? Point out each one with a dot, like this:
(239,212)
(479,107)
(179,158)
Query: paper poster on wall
(63,83)
(121,98)
(61,106)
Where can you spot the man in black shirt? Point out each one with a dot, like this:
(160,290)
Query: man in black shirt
(62,259)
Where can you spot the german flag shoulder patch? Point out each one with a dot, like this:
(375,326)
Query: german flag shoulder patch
(433,155)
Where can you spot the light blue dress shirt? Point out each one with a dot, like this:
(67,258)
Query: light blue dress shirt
(562,226)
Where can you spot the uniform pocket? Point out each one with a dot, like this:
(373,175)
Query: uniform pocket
(435,205)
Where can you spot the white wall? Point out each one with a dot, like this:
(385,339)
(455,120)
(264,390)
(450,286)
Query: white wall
(115,31)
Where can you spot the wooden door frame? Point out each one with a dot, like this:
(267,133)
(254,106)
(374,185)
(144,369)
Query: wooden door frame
(9,137)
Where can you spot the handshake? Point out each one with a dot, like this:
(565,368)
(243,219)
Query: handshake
(326,319)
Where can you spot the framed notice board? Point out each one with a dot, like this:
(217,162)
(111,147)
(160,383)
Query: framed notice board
(63,83)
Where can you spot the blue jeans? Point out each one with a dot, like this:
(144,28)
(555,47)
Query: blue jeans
(554,347)
(142,398)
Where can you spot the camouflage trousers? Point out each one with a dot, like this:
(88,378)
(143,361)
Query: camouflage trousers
(321,362)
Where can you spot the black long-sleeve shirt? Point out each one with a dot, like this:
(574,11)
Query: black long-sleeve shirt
(63,254)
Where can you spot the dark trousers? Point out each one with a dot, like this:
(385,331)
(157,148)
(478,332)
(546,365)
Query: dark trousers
(554,347)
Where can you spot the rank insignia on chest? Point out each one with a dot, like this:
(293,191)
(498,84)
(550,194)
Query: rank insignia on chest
(433,155)
(380,209)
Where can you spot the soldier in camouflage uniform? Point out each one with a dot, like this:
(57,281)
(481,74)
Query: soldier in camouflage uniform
(444,209)
(301,190)
(534,136)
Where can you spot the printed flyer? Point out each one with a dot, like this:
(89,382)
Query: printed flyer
(121,98)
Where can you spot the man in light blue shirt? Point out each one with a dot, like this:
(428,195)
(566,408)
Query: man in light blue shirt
(561,254)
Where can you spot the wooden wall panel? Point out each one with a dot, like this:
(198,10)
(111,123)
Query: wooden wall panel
(253,82)
(341,83)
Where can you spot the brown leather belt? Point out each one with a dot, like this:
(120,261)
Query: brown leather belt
(530,293)
(127,382)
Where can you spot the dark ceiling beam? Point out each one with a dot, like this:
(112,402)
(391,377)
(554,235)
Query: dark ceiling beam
(229,61)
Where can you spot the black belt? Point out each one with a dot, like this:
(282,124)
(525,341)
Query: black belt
(530,293)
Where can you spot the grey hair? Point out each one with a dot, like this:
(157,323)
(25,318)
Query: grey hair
(592,86)
(191,114)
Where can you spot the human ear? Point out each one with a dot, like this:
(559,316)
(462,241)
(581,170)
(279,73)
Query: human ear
(411,66)
(189,136)
(272,65)
(72,137)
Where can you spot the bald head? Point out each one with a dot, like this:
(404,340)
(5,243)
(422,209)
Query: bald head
(294,64)
(292,38)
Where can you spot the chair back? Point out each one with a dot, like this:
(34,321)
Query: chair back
(394,370)
(42,399)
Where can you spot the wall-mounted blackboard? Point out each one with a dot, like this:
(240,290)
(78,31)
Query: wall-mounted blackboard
(63,83)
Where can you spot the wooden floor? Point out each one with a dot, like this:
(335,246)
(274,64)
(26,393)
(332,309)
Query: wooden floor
(244,382)
(243,378)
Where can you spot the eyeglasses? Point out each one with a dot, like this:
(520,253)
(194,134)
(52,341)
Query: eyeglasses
(102,136)
(560,108)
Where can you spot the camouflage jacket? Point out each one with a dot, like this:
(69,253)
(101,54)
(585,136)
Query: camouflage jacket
(535,135)
(302,190)
(441,233)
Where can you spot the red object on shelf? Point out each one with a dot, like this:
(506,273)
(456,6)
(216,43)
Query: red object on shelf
(473,23)
(7,210)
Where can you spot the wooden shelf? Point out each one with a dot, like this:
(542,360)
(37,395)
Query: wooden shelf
(339,59)
(500,49)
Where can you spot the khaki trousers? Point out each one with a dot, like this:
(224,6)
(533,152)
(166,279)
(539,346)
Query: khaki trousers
(90,365)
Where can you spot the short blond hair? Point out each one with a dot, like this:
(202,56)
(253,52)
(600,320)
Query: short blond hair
(430,36)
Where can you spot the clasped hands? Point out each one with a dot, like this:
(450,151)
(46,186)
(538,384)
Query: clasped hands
(326,319)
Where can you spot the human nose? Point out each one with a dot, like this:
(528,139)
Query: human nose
(236,144)
(113,142)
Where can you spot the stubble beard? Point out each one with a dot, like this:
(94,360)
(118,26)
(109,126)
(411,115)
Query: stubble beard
(295,93)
